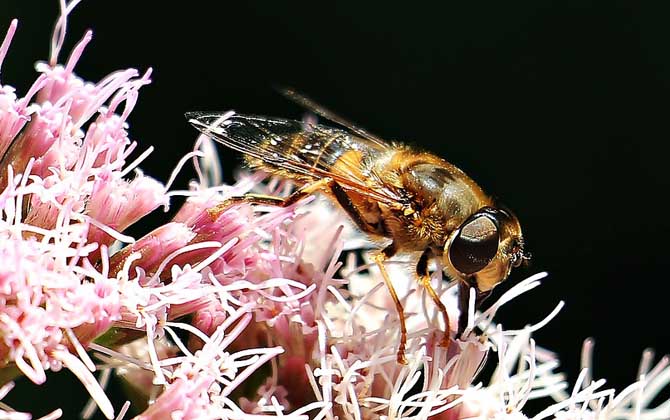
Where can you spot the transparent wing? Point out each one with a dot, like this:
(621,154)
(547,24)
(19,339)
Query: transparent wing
(326,113)
(311,151)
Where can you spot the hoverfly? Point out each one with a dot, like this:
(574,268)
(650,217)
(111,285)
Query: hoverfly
(425,205)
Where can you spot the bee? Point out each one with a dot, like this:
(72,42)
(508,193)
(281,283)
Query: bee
(423,204)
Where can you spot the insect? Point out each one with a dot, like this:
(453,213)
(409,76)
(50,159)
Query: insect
(425,205)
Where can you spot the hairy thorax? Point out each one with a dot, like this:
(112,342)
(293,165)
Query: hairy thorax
(438,195)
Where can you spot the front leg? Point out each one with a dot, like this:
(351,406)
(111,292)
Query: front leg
(380,258)
(464,287)
(424,279)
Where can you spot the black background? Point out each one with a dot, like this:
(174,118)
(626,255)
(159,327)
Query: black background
(557,107)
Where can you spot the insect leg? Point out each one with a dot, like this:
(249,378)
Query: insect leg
(344,201)
(257,199)
(307,189)
(215,212)
(464,302)
(463,306)
(385,254)
(424,278)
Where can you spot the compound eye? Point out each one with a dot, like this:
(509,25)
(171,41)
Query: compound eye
(475,245)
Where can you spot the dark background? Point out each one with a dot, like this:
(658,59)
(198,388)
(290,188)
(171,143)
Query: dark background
(557,107)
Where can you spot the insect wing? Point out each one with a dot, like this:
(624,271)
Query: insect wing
(262,138)
(303,149)
(318,109)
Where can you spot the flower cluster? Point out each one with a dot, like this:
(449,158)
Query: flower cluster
(229,312)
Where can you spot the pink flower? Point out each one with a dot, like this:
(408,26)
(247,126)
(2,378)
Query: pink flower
(209,375)
(56,293)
